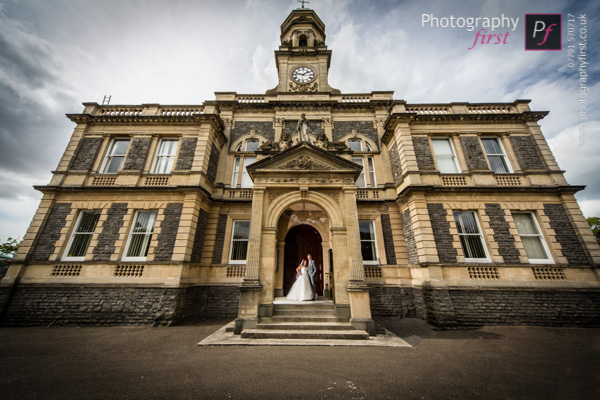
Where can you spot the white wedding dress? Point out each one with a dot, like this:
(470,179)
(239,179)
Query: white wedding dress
(301,289)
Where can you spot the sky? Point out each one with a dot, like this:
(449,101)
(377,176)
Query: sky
(56,54)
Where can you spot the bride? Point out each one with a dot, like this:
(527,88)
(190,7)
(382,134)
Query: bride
(301,289)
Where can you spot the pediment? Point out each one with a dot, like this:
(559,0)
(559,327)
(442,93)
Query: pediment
(303,158)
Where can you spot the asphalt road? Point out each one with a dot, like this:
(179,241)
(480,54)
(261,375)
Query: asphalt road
(166,363)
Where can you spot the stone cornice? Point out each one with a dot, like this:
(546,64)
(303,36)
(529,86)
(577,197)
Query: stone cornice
(414,118)
(569,189)
(194,119)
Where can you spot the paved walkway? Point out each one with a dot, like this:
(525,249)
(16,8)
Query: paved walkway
(167,363)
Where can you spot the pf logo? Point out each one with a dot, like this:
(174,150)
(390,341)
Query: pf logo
(543,32)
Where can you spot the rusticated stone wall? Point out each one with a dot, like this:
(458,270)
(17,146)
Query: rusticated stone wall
(137,154)
(86,154)
(185,159)
(392,302)
(262,128)
(388,239)
(110,232)
(502,235)
(472,308)
(50,233)
(60,306)
(526,152)
(220,239)
(473,153)
(423,154)
(565,234)
(441,233)
(168,232)
(198,245)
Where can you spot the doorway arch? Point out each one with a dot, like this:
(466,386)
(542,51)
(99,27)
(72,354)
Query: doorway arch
(300,241)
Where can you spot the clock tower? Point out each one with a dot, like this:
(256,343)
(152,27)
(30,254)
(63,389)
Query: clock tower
(302,58)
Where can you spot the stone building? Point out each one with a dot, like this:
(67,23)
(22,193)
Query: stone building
(455,213)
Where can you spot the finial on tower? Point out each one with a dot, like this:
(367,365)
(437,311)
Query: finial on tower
(303,1)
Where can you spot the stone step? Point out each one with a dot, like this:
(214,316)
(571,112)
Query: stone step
(304,334)
(302,318)
(307,306)
(320,326)
(303,312)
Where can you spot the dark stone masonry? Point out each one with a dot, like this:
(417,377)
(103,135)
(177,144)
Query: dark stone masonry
(110,232)
(168,232)
(137,154)
(473,153)
(363,129)
(388,239)
(472,308)
(213,164)
(502,236)
(50,233)
(60,306)
(396,166)
(86,154)
(198,245)
(423,154)
(409,238)
(565,234)
(219,239)
(441,233)
(186,153)
(261,128)
(392,302)
(526,152)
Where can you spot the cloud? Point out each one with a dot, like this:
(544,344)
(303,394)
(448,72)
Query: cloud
(578,156)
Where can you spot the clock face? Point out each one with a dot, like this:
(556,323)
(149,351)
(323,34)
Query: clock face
(303,74)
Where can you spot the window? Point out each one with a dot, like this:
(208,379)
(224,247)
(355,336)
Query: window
(495,154)
(252,145)
(239,242)
(361,180)
(239,147)
(165,156)
(368,147)
(371,164)
(246,181)
(444,155)
(355,144)
(368,245)
(303,42)
(533,241)
(82,234)
(138,242)
(236,171)
(115,156)
(471,239)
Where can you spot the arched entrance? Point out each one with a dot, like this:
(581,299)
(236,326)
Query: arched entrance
(300,241)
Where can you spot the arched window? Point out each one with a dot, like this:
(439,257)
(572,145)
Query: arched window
(303,41)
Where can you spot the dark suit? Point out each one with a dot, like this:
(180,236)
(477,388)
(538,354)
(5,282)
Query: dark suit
(312,274)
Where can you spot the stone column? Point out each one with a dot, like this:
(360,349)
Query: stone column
(251,287)
(358,291)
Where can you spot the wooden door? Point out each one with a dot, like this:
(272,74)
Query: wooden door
(300,241)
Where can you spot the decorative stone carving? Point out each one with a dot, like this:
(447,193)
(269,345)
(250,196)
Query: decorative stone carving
(227,122)
(278,121)
(312,87)
(327,121)
(305,162)
(303,128)
(323,142)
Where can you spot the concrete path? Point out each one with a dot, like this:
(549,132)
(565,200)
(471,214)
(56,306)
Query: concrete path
(167,363)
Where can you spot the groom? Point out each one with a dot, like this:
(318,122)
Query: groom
(312,272)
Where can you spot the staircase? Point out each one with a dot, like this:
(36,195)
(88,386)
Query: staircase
(311,320)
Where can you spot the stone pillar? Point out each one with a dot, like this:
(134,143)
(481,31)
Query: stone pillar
(358,291)
(279,269)
(251,287)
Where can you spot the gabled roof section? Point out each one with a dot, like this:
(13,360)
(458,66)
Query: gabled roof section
(305,158)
